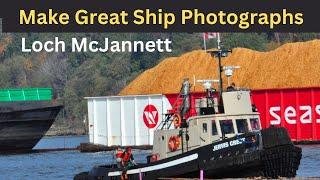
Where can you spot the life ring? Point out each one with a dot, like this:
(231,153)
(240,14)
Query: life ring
(176,120)
(154,157)
(174,143)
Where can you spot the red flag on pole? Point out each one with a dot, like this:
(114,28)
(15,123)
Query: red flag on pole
(210,35)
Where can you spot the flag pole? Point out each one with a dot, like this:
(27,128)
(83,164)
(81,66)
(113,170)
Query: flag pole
(204,42)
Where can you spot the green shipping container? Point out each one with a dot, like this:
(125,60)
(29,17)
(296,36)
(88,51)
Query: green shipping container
(26,94)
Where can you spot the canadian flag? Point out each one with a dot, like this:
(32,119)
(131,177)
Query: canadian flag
(210,35)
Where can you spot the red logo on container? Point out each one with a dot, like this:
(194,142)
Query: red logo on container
(150,116)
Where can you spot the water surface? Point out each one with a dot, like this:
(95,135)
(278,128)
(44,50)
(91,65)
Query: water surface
(61,165)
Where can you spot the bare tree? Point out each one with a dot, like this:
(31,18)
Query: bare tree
(55,69)
(277,37)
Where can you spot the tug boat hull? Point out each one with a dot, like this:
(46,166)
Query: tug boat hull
(269,154)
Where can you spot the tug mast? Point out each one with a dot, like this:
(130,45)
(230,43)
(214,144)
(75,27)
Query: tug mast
(220,54)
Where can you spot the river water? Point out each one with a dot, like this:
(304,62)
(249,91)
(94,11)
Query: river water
(60,165)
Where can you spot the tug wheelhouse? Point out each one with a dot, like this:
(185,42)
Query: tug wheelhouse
(239,118)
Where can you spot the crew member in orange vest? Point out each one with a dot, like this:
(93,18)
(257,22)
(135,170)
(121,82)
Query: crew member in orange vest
(127,162)
(118,155)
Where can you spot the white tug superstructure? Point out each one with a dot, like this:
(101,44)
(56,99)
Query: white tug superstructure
(238,118)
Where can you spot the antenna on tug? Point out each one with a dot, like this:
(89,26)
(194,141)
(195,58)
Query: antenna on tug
(207,83)
(228,71)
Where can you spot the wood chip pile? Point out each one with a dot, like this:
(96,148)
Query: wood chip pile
(291,65)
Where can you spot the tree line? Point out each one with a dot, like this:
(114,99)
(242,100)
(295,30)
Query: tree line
(74,76)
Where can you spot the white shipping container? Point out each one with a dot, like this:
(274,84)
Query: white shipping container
(125,120)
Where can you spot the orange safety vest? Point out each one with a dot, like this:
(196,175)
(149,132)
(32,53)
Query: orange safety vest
(126,157)
(119,154)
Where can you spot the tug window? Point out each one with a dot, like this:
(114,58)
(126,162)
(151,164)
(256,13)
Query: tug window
(204,128)
(214,128)
(255,124)
(242,125)
(226,127)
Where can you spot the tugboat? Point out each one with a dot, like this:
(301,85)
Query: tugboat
(224,140)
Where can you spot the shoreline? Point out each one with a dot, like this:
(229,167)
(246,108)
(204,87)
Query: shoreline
(66,131)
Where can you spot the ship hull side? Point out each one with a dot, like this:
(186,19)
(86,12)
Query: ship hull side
(21,130)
